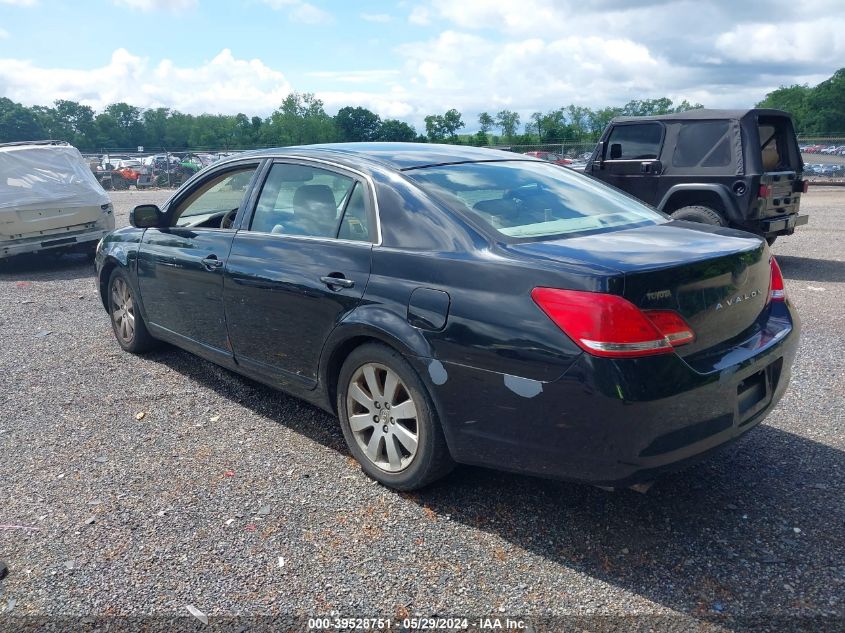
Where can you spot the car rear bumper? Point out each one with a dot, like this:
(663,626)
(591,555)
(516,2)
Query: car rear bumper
(67,240)
(616,422)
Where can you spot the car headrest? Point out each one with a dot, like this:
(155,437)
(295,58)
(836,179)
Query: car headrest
(316,202)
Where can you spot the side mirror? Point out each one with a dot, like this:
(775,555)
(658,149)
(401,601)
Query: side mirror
(616,151)
(145,216)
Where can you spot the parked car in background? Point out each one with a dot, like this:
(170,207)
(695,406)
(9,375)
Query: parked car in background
(49,200)
(456,304)
(551,157)
(738,168)
(830,170)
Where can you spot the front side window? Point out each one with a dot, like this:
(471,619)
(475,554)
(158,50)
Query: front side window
(214,201)
(635,142)
(522,199)
(310,201)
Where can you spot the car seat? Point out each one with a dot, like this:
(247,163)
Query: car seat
(315,210)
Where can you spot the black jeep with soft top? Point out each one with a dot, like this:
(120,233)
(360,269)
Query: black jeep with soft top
(738,168)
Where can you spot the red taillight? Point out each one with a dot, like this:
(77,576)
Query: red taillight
(608,325)
(765,191)
(671,325)
(777,292)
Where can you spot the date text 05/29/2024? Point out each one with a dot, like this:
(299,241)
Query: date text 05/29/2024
(416,624)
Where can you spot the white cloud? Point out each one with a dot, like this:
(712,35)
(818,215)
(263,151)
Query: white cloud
(524,55)
(804,42)
(222,85)
(174,6)
(543,54)
(420,16)
(356,76)
(376,17)
(299,11)
(4,34)
(20,3)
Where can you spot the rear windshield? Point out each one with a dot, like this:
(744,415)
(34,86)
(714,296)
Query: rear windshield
(527,199)
(778,146)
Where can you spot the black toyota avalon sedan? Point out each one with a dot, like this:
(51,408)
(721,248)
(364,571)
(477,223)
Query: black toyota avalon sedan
(453,304)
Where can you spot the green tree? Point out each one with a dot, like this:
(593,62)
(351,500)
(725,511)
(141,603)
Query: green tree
(394,130)
(155,122)
(357,124)
(299,120)
(119,125)
(597,120)
(18,123)
(508,122)
(826,106)
(792,99)
(444,127)
(486,122)
(579,120)
(819,110)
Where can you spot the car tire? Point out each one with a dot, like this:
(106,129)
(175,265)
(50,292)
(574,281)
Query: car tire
(697,213)
(405,453)
(129,327)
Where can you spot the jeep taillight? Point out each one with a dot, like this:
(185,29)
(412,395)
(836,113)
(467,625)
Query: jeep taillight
(765,191)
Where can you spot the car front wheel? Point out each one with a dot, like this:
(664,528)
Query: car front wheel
(389,420)
(126,320)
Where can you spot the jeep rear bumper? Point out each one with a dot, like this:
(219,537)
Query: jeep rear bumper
(783,225)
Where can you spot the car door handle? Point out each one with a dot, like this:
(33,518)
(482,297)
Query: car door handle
(211,262)
(340,282)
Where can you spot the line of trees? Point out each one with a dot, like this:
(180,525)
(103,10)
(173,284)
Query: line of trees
(301,118)
(817,111)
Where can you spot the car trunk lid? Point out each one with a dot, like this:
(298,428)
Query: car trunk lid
(716,279)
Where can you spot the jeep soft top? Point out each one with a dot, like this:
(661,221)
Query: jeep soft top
(739,168)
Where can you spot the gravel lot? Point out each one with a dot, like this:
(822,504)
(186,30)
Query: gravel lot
(163,481)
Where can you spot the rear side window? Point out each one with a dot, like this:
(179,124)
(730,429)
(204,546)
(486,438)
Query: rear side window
(703,144)
(636,141)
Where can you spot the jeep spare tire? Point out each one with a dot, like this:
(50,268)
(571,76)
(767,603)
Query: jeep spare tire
(696,213)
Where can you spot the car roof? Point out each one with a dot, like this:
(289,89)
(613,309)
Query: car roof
(700,114)
(400,156)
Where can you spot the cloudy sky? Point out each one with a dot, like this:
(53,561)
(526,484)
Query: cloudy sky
(410,58)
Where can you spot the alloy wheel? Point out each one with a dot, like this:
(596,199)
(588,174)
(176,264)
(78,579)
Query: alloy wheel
(123,310)
(382,417)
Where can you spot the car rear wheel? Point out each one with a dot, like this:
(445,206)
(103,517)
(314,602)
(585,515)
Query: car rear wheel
(126,320)
(697,213)
(389,420)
